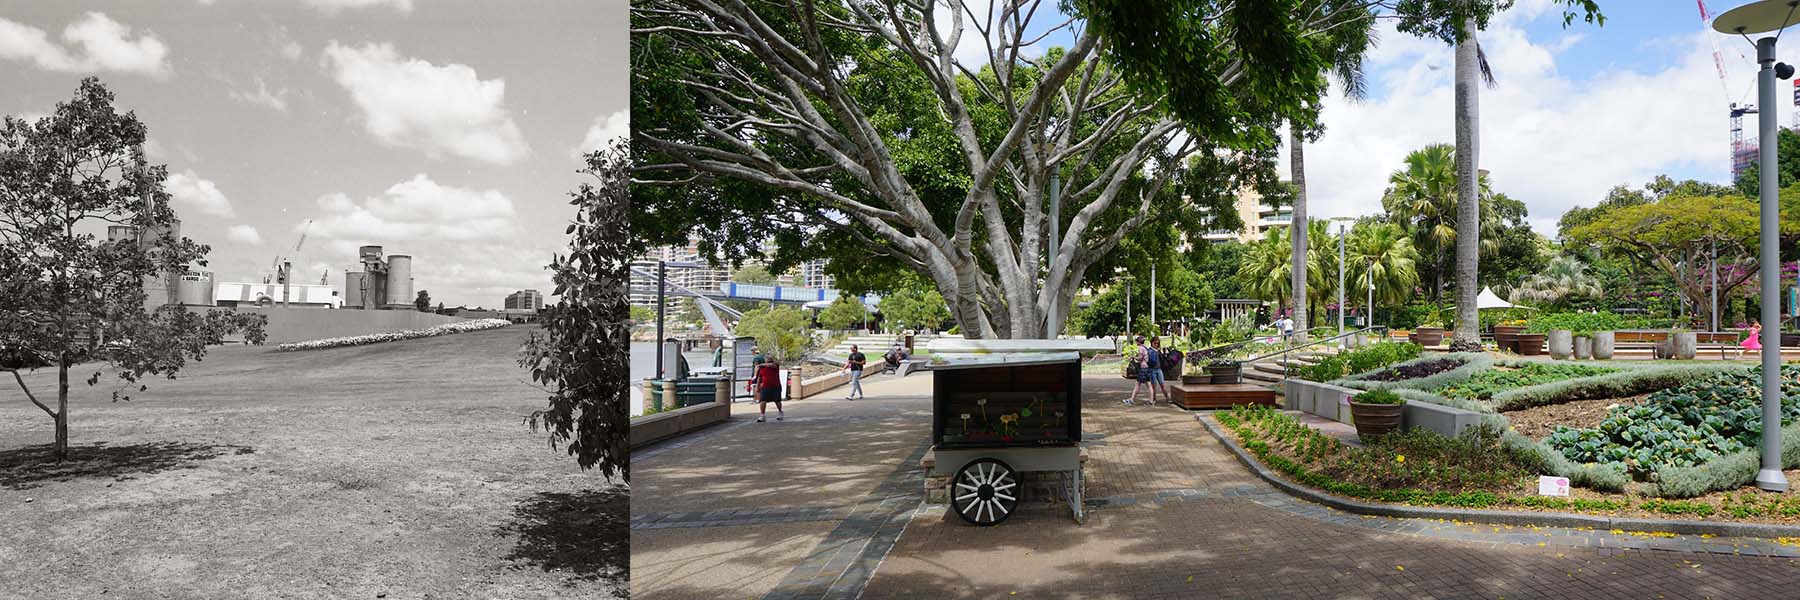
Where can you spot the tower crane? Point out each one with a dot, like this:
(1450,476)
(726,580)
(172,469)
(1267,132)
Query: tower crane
(1740,159)
(283,266)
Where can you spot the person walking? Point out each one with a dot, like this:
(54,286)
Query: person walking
(767,382)
(1149,370)
(855,367)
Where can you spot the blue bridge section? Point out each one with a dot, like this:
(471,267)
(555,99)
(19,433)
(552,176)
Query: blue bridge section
(785,294)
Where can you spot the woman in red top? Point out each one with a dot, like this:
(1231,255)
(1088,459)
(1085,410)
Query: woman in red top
(767,383)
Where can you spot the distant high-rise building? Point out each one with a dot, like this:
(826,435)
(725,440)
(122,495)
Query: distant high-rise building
(812,274)
(524,300)
(686,268)
(1257,216)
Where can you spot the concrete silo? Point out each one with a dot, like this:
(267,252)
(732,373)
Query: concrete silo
(399,281)
(195,289)
(353,288)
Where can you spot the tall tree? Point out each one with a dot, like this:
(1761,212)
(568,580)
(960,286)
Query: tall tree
(1677,235)
(1423,197)
(581,353)
(422,302)
(69,298)
(1381,255)
(1469,65)
(1563,281)
(755,120)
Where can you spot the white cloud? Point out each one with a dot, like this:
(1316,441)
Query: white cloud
(199,194)
(291,50)
(104,45)
(605,129)
(418,209)
(332,7)
(413,103)
(262,96)
(244,234)
(1548,140)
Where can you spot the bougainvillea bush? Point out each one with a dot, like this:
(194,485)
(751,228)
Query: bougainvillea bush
(1684,426)
(395,336)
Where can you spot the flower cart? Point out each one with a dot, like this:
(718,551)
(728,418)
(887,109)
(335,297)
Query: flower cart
(997,415)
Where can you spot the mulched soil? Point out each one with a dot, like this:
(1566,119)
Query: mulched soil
(1537,423)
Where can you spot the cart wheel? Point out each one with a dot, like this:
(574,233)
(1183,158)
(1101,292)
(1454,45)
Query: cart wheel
(985,492)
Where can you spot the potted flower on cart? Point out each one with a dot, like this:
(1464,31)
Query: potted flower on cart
(1376,412)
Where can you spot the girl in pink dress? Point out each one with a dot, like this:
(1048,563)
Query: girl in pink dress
(1754,342)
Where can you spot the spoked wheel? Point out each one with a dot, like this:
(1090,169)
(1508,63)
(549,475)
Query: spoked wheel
(985,492)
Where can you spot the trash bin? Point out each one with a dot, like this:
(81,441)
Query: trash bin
(696,390)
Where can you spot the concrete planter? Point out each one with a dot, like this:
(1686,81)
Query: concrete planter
(1584,348)
(1562,343)
(1603,345)
(1683,345)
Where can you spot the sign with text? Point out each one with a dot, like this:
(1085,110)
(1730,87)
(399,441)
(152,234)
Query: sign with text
(1553,486)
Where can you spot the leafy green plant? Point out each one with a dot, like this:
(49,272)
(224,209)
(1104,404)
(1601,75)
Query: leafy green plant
(1677,507)
(1485,384)
(1581,323)
(1378,396)
(1367,358)
(1684,426)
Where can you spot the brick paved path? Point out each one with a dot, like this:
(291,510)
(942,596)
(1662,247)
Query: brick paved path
(825,504)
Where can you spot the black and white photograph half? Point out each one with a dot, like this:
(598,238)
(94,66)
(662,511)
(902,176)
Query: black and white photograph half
(312,299)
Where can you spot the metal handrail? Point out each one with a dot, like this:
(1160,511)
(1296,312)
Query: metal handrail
(1287,367)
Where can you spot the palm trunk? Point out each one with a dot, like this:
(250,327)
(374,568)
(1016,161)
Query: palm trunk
(1297,169)
(1468,199)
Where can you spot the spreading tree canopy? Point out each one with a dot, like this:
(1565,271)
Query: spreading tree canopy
(70,298)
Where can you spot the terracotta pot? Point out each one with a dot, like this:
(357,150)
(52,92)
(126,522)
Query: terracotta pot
(1507,337)
(1226,375)
(1790,340)
(1530,344)
(1373,420)
(1429,336)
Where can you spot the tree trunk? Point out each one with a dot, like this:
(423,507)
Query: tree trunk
(62,411)
(1297,172)
(1468,199)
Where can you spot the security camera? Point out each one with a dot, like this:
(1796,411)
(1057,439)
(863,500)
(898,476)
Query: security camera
(1784,70)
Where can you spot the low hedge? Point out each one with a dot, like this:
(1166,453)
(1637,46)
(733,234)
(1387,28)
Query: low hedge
(1631,381)
(1730,471)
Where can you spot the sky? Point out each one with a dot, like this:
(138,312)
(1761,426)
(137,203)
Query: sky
(1574,112)
(449,130)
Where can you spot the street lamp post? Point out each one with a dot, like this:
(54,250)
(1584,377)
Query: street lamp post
(1762,17)
(1341,235)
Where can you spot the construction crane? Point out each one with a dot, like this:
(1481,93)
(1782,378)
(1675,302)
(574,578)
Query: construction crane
(1741,156)
(283,266)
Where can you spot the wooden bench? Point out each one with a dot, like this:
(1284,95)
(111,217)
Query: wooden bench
(1194,396)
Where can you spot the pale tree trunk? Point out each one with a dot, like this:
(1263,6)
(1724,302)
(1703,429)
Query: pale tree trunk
(1468,200)
(1297,172)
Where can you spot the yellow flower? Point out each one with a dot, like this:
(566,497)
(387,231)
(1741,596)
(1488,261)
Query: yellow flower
(1400,458)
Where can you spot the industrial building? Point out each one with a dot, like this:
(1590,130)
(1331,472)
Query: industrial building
(383,284)
(525,300)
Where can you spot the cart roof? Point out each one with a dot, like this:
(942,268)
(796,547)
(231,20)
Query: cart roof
(1001,359)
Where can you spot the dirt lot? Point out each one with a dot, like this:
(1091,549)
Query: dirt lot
(397,470)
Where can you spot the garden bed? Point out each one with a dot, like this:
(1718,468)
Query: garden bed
(1476,471)
(1538,422)
(1416,369)
(1510,376)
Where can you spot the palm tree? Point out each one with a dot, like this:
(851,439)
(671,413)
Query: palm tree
(1423,197)
(1564,280)
(1267,269)
(1470,64)
(1322,260)
(1348,40)
(1382,252)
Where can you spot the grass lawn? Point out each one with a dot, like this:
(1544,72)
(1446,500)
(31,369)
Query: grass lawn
(399,469)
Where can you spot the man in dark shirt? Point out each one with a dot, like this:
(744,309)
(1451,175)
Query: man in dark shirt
(855,366)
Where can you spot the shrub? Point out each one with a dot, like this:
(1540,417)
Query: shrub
(1581,323)
(1369,358)
(1627,382)
(1379,396)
